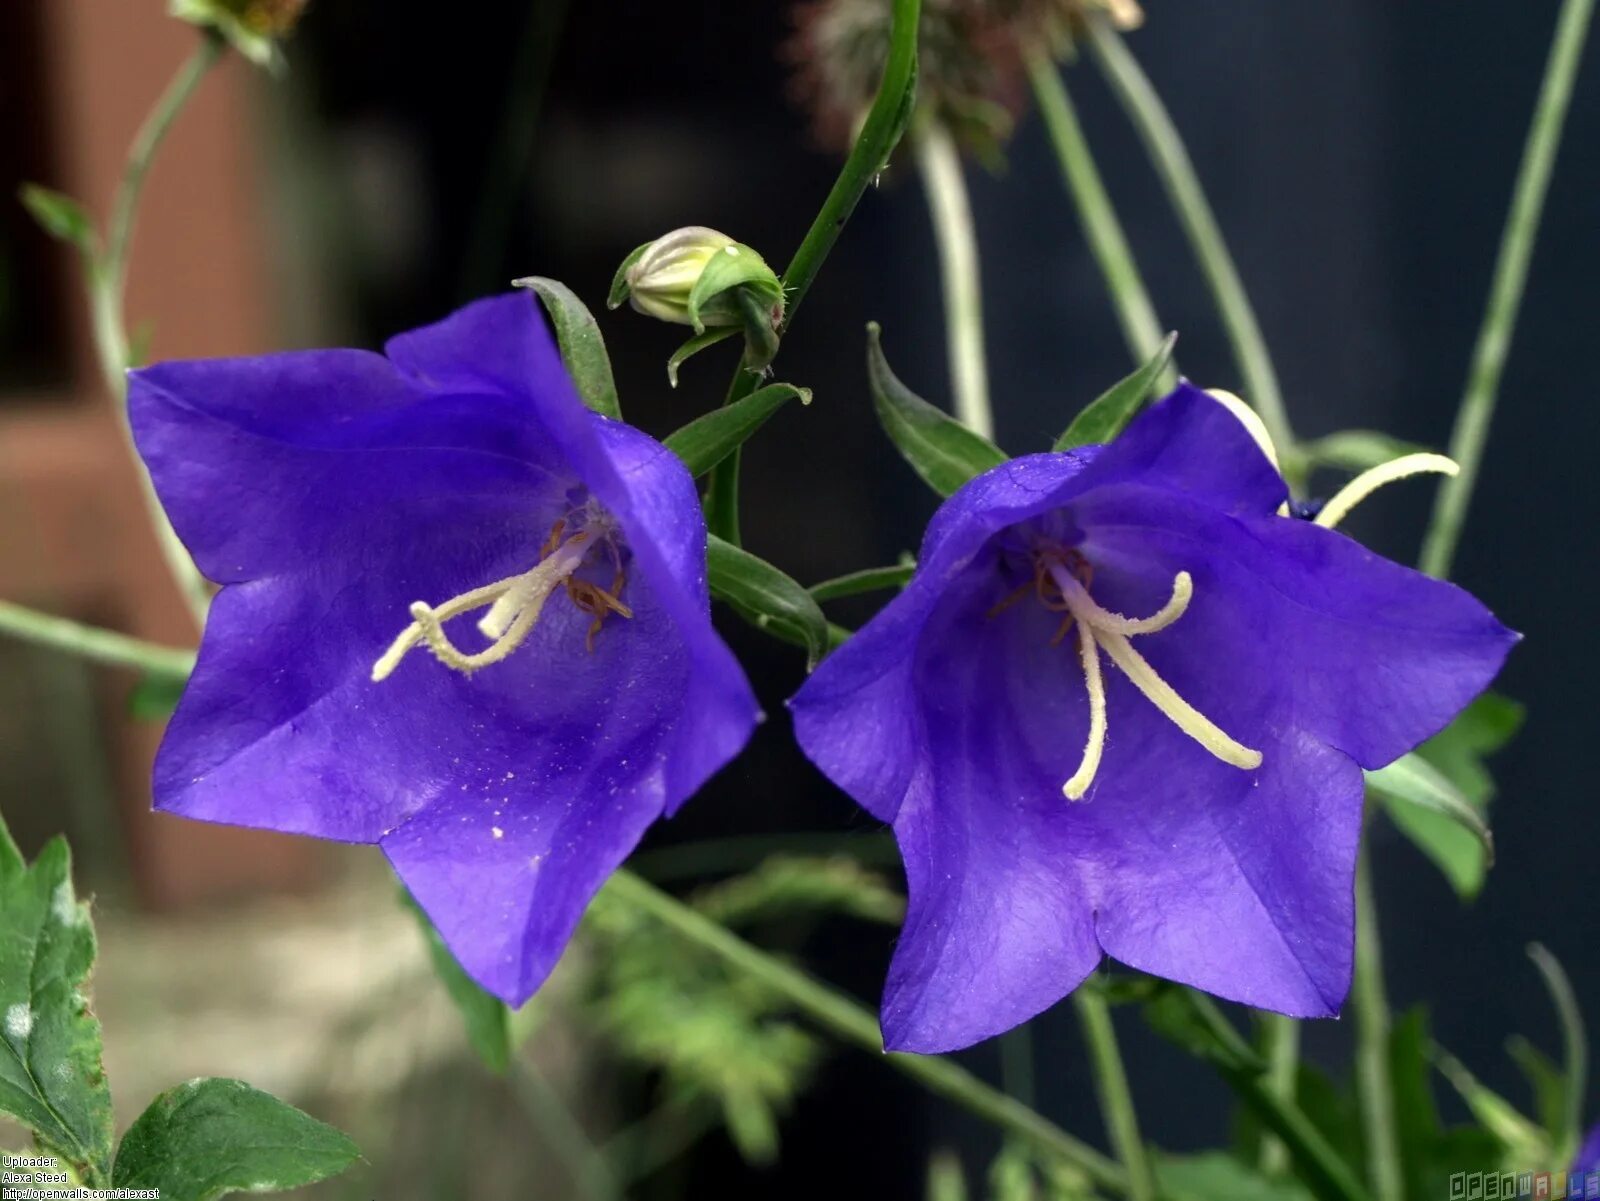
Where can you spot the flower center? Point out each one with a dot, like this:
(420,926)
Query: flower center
(1061,580)
(515,604)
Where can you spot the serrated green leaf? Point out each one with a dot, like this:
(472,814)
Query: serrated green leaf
(694,346)
(208,1138)
(1218,1176)
(583,349)
(766,597)
(1438,817)
(1355,450)
(487,1018)
(59,215)
(619,281)
(945,453)
(1108,414)
(709,439)
(734,266)
(871,579)
(51,1076)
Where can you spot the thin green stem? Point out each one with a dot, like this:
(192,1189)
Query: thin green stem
(1111,1086)
(1476,412)
(1283,1070)
(1176,170)
(880,133)
(945,186)
(91,642)
(849,1021)
(1374,1087)
(1141,329)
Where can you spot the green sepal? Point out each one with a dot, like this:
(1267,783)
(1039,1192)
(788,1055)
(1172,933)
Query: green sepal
(1108,414)
(618,294)
(871,579)
(583,349)
(52,1079)
(209,1138)
(707,440)
(488,1020)
(59,215)
(735,266)
(1430,810)
(945,453)
(1218,1176)
(694,346)
(766,597)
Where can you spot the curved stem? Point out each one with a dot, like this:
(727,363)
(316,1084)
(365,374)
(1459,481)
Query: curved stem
(1160,136)
(944,183)
(849,1021)
(1374,1086)
(1137,315)
(91,642)
(1471,431)
(1283,1070)
(880,133)
(1111,1086)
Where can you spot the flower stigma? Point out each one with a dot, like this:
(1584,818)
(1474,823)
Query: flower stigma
(1061,584)
(515,603)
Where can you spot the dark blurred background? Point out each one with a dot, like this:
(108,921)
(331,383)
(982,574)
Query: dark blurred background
(1360,158)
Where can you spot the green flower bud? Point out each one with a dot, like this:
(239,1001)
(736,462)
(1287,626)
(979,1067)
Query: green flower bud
(252,27)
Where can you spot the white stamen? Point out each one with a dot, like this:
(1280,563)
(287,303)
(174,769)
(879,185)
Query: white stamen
(1370,480)
(1254,426)
(1102,630)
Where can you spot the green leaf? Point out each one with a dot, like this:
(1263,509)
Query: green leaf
(155,696)
(59,215)
(1479,730)
(1011,1175)
(694,346)
(1108,415)
(619,281)
(946,1181)
(734,266)
(1438,817)
(208,1138)
(1355,450)
(583,350)
(872,579)
(766,597)
(1218,1176)
(707,440)
(487,1017)
(1523,1140)
(945,453)
(1575,1042)
(786,885)
(1416,1117)
(1194,1023)
(1547,1082)
(51,1076)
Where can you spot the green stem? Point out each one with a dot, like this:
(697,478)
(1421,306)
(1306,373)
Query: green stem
(1172,163)
(849,1021)
(1283,1070)
(880,132)
(1016,1063)
(944,183)
(1111,1086)
(1141,330)
(1374,1087)
(107,279)
(1473,418)
(90,642)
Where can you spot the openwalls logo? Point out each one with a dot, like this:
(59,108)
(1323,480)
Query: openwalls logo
(1512,1186)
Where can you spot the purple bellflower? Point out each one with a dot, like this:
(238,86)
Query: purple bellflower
(1211,770)
(353,506)
(1589,1156)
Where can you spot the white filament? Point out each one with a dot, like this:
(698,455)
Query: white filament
(1370,480)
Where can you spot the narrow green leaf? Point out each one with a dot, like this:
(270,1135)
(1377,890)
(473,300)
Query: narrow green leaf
(1438,817)
(766,597)
(1547,1083)
(619,281)
(734,266)
(1575,1044)
(51,1076)
(694,346)
(1194,1023)
(487,1017)
(583,350)
(208,1138)
(59,215)
(1479,730)
(1523,1140)
(1355,450)
(1218,1176)
(1417,1127)
(1108,414)
(707,440)
(872,579)
(945,453)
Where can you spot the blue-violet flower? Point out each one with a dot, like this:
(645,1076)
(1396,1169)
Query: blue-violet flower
(1212,772)
(353,506)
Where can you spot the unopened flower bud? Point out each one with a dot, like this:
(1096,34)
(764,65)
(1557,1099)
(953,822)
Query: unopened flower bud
(252,27)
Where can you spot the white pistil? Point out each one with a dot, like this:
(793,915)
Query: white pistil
(1370,480)
(1100,629)
(515,604)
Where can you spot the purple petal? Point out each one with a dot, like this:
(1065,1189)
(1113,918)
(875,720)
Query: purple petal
(1589,1157)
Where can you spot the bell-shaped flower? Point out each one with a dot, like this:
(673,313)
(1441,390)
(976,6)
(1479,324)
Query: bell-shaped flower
(1122,709)
(461,617)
